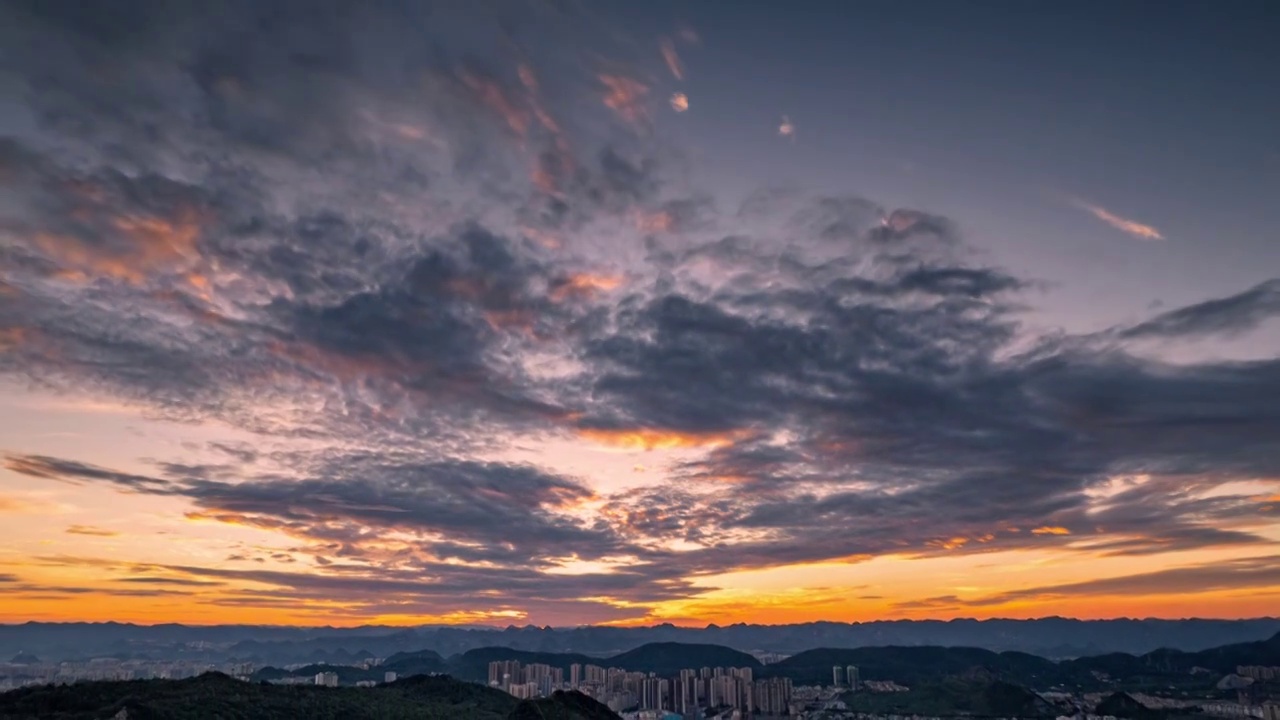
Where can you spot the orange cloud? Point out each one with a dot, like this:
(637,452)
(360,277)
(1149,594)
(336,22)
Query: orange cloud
(1132,227)
(659,439)
(90,530)
(584,284)
(491,94)
(530,81)
(160,240)
(679,102)
(542,237)
(625,97)
(12,337)
(1050,530)
(672,59)
(654,222)
(787,129)
(150,244)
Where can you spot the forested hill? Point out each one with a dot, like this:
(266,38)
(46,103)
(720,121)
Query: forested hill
(916,664)
(217,696)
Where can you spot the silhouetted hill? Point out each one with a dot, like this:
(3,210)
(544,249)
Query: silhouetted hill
(474,664)
(911,664)
(1123,705)
(25,658)
(1164,662)
(422,662)
(416,656)
(975,696)
(562,705)
(670,658)
(217,696)
(347,674)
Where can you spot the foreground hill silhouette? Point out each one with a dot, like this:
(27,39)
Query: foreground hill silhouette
(214,695)
(562,705)
(973,696)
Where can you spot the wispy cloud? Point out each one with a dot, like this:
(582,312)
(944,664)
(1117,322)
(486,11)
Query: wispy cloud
(91,531)
(1132,227)
(786,128)
(671,57)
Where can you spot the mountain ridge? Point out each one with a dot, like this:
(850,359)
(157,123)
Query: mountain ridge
(1055,638)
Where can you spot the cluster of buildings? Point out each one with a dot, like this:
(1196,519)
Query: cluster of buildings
(16,675)
(1259,672)
(693,690)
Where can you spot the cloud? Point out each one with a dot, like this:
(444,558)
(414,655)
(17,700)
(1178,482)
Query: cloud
(392,263)
(1236,573)
(787,128)
(186,582)
(1222,316)
(679,102)
(70,471)
(1130,227)
(90,530)
(671,58)
(626,97)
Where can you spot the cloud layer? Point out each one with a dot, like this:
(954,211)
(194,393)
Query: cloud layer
(399,258)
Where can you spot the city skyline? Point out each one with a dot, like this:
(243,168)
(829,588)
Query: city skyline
(556,313)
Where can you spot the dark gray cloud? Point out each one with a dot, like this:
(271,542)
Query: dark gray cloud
(188,582)
(72,471)
(869,400)
(1221,316)
(1247,572)
(466,506)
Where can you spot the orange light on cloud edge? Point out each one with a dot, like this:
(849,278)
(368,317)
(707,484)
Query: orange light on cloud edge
(1050,530)
(584,284)
(658,439)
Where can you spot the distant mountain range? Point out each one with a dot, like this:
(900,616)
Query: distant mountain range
(1054,638)
(217,696)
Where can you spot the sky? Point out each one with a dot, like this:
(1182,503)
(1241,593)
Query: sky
(562,313)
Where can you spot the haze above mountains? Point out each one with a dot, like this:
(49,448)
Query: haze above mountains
(1053,638)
